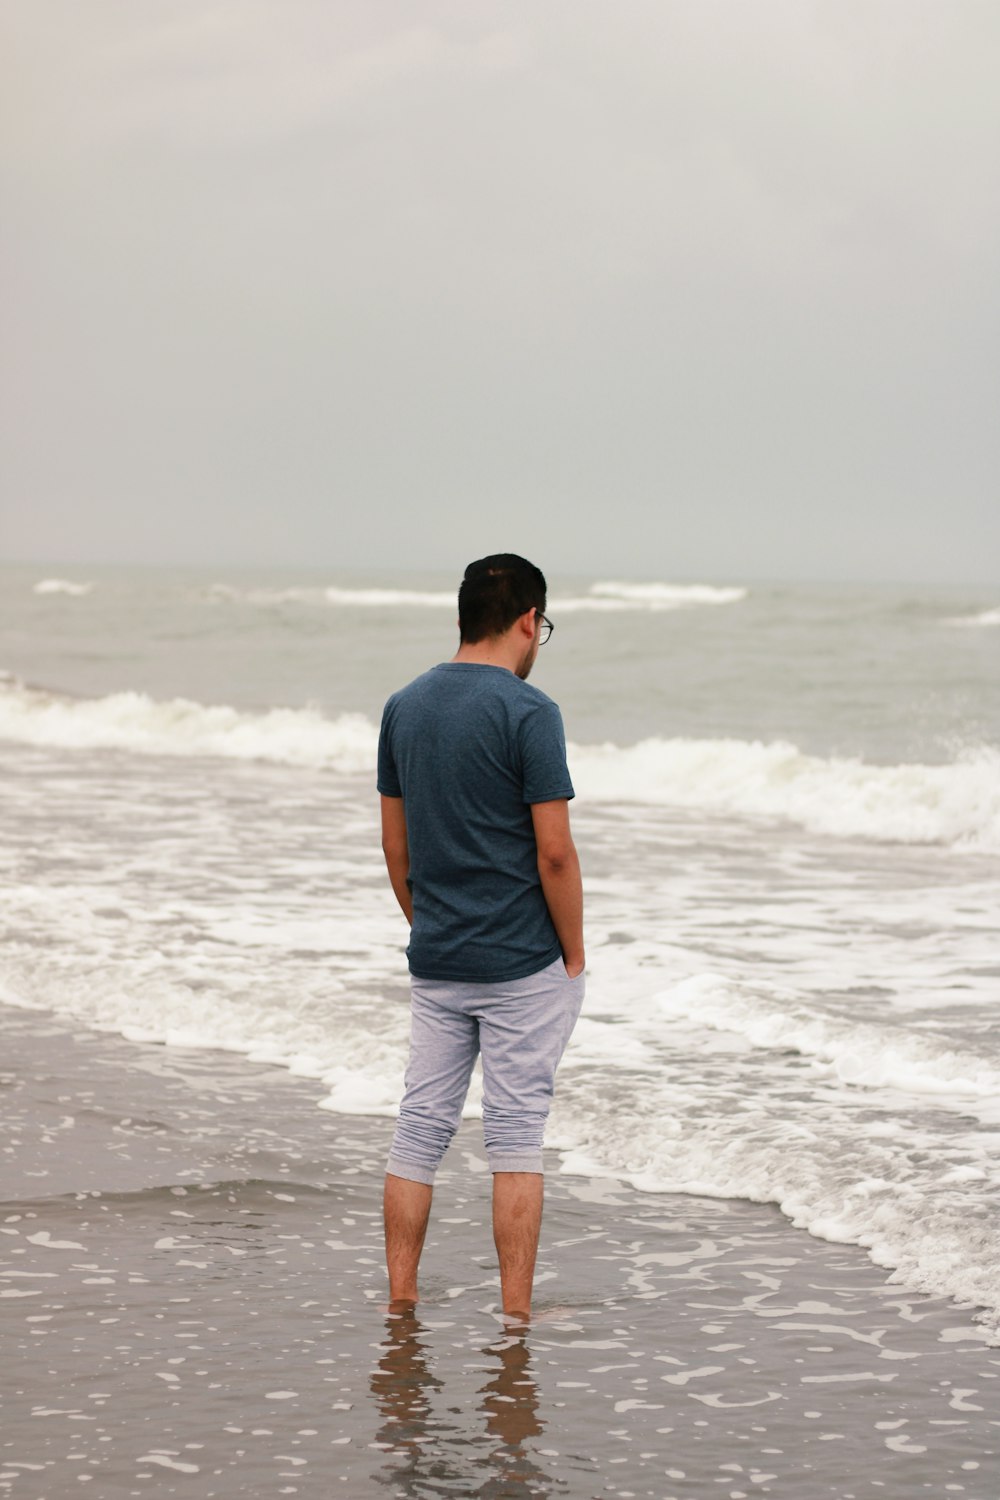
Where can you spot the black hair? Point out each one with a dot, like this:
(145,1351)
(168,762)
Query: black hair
(495,592)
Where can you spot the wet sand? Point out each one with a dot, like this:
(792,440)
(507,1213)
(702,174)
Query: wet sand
(192,1302)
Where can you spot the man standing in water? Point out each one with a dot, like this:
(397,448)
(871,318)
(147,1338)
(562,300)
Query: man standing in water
(475,830)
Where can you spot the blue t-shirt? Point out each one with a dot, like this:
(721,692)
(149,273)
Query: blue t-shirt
(469,747)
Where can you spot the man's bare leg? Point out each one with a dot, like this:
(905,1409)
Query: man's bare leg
(407,1207)
(517,1219)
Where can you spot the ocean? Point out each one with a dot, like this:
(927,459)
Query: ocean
(788,815)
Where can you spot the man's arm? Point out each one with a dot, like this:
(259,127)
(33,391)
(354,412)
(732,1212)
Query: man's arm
(562,886)
(397,852)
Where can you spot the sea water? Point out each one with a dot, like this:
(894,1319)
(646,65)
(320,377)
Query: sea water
(788,814)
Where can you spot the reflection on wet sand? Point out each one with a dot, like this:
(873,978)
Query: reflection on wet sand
(403,1385)
(510,1406)
(429,1455)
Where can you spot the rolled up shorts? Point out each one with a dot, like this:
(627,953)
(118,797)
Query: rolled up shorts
(521,1027)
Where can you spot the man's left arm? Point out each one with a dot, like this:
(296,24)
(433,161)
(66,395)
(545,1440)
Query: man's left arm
(559,872)
(396,849)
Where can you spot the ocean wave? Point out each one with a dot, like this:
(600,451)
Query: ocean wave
(914,1186)
(602,597)
(320,596)
(179,726)
(61,586)
(932,1231)
(226,593)
(668,595)
(391,598)
(859,1052)
(984,617)
(956,803)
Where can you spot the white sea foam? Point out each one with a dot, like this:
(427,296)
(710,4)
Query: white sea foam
(375,598)
(664,598)
(319,596)
(929,1232)
(391,598)
(180,726)
(573,604)
(61,586)
(602,597)
(611,596)
(863,1053)
(226,593)
(668,595)
(984,617)
(844,1147)
(957,803)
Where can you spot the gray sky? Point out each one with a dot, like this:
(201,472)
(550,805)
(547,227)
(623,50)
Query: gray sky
(674,290)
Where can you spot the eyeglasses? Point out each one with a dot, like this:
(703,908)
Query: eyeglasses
(546,630)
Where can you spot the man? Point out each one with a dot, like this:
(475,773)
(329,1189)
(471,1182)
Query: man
(475,830)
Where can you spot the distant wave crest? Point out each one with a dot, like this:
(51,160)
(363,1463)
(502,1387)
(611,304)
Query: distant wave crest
(318,596)
(605,597)
(61,586)
(383,598)
(984,617)
(667,595)
(957,803)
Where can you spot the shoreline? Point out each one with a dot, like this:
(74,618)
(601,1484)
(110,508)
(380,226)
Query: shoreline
(194,1291)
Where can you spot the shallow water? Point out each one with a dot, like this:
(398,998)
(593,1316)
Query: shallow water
(191,1287)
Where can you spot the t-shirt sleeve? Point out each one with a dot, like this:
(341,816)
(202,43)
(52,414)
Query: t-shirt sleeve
(543,755)
(388,777)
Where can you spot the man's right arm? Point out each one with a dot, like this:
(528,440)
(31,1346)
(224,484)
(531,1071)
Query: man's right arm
(396,849)
(562,886)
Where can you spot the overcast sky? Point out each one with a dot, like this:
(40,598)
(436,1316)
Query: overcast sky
(678,290)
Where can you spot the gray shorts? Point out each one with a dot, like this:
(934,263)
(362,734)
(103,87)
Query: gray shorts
(521,1027)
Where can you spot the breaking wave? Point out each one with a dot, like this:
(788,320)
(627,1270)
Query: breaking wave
(868,1053)
(180,726)
(922,1204)
(956,803)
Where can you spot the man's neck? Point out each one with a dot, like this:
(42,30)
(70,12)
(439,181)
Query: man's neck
(495,651)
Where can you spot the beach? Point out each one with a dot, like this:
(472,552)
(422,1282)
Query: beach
(193,1303)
